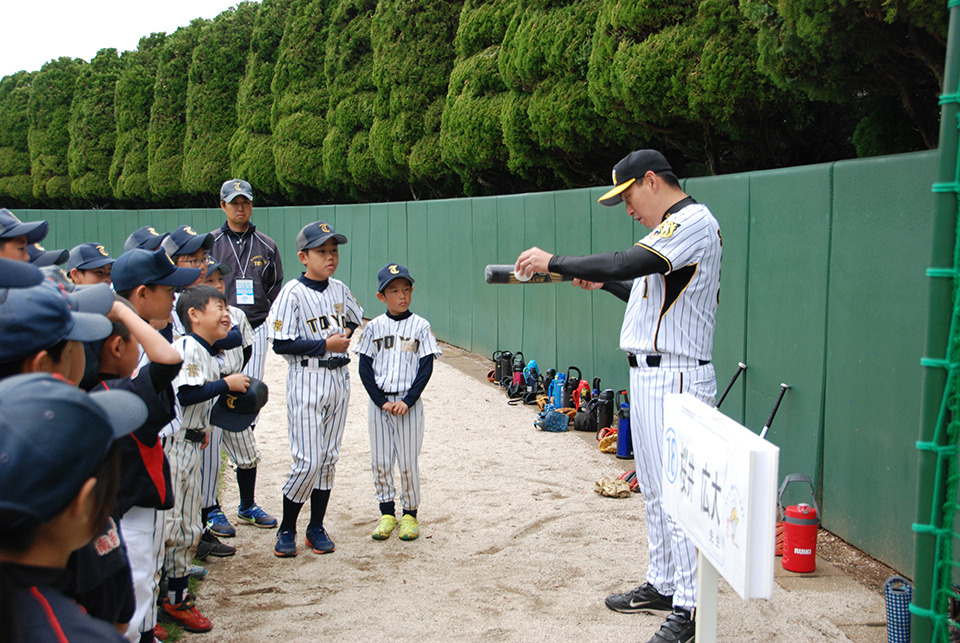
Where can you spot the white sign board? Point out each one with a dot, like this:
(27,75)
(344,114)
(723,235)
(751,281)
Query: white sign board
(720,485)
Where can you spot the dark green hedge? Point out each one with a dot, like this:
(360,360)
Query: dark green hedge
(48,111)
(16,186)
(93,129)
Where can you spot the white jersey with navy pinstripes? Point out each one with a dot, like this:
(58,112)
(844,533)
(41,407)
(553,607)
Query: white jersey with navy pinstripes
(396,348)
(199,367)
(300,312)
(231,360)
(674,313)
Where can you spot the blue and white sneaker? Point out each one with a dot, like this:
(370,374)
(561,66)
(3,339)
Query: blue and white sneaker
(217,523)
(257,517)
(286,546)
(318,539)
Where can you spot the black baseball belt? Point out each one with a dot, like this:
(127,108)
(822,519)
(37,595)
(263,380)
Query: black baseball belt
(653,361)
(332,363)
(193,435)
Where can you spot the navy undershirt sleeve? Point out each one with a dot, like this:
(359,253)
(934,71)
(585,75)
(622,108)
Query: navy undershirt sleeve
(189,395)
(312,347)
(234,339)
(370,381)
(424,371)
(162,375)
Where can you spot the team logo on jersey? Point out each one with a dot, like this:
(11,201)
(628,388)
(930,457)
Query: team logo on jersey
(102,250)
(324,227)
(258,261)
(277,325)
(192,370)
(339,308)
(666,229)
(393,269)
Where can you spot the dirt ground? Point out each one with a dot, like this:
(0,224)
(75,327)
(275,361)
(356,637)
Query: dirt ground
(515,545)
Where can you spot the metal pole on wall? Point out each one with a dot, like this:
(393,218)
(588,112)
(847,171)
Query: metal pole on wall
(931,472)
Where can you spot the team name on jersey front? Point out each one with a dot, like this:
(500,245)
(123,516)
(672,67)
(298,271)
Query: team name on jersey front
(409,344)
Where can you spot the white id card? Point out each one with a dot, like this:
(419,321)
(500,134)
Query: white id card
(244,291)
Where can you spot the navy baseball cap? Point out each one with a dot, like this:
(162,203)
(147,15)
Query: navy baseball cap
(144,268)
(19,274)
(11,226)
(233,188)
(53,437)
(316,234)
(146,238)
(94,298)
(213,265)
(32,319)
(236,411)
(88,256)
(390,272)
(185,241)
(40,257)
(632,167)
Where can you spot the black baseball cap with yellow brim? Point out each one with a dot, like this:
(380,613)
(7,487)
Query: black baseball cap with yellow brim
(630,168)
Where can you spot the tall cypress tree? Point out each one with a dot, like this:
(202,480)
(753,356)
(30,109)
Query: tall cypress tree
(413,57)
(348,163)
(48,113)
(165,134)
(93,128)
(251,147)
(300,102)
(132,104)
(215,72)
(471,138)
(16,186)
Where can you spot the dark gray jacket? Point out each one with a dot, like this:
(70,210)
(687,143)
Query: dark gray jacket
(251,255)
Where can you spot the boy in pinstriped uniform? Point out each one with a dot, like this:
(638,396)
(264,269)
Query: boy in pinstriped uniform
(311,323)
(396,351)
(203,312)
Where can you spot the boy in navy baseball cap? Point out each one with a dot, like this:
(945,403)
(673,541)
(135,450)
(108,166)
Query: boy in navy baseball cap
(145,238)
(58,482)
(42,258)
(89,263)
(188,249)
(16,235)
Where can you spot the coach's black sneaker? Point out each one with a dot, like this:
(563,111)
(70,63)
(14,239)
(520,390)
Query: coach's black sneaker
(641,599)
(678,628)
(210,545)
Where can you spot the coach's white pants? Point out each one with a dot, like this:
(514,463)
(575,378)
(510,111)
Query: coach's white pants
(316,414)
(396,438)
(143,532)
(673,557)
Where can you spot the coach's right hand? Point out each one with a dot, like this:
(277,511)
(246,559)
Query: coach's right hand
(587,285)
(238,382)
(338,343)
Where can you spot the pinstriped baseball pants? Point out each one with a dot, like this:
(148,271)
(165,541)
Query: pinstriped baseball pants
(317,401)
(673,557)
(396,438)
(183,524)
(143,532)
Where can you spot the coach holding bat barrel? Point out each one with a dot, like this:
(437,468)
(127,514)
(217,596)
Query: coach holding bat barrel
(670,280)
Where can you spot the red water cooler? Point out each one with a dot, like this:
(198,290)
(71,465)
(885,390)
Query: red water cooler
(800,525)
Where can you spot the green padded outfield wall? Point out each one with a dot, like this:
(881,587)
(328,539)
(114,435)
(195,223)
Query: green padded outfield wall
(823,287)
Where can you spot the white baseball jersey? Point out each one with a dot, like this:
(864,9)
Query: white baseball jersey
(300,312)
(199,368)
(396,348)
(674,313)
(231,361)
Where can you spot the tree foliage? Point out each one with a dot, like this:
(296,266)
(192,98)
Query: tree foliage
(301,102)
(215,72)
(16,186)
(132,104)
(471,138)
(168,113)
(48,112)
(93,128)
(347,159)
(251,147)
(413,56)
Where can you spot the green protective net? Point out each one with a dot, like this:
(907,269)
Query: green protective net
(945,442)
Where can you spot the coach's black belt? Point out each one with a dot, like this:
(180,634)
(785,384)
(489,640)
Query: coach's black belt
(332,363)
(653,361)
(193,435)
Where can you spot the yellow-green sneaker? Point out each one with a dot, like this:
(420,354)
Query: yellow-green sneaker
(387,524)
(409,528)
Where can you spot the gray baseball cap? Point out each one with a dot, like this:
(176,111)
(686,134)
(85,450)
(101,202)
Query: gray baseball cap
(233,188)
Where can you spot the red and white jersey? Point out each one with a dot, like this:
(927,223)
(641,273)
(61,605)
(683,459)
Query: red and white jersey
(675,313)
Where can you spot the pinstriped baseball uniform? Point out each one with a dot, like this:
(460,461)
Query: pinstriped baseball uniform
(241,446)
(396,348)
(183,527)
(316,395)
(671,315)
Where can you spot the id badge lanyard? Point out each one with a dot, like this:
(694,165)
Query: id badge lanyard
(243,285)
